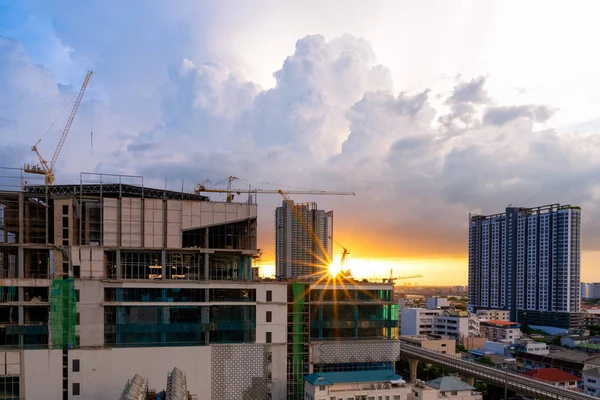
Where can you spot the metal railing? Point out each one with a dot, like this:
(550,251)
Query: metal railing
(512,381)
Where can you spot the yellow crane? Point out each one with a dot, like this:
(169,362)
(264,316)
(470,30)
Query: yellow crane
(393,279)
(231,192)
(45,168)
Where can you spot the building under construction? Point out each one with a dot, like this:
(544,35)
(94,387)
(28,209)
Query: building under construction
(303,239)
(108,278)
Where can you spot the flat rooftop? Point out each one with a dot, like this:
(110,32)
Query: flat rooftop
(111,190)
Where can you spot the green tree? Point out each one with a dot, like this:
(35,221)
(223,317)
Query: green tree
(485,361)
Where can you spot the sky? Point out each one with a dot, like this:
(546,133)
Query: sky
(427,110)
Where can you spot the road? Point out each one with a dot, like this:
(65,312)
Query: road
(514,382)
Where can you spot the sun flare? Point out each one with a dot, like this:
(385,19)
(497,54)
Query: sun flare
(334,268)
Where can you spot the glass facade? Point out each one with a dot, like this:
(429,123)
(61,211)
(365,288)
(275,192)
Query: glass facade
(352,313)
(351,295)
(357,366)
(139,326)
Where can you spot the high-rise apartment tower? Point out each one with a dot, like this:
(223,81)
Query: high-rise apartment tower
(303,239)
(527,261)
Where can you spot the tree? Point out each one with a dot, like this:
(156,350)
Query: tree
(485,361)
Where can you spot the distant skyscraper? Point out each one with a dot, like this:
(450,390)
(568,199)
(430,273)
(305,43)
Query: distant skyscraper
(297,251)
(527,261)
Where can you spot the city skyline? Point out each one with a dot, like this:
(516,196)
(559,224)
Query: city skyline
(425,125)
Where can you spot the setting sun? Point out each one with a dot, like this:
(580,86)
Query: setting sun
(335,268)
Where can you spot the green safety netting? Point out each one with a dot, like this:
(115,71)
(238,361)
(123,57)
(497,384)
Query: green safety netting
(63,313)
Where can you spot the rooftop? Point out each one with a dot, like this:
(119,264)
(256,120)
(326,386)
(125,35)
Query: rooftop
(500,323)
(593,372)
(332,378)
(111,190)
(551,375)
(449,384)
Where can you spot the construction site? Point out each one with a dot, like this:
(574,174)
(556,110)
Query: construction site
(107,278)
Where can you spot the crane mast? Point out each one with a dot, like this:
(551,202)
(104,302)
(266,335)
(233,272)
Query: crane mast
(48,169)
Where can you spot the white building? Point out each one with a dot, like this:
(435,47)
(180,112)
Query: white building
(355,385)
(455,324)
(417,321)
(500,330)
(434,303)
(533,347)
(447,387)
(536,248)
(496,315)
(297,251)
(591,381)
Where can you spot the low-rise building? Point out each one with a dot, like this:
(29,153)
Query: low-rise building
(355,385)
(499,348)
(591,381)
(496,315)
(500,330)
(472,342)
(532,346)
(554,377)
(455,324)
(433,303)
(570,361)
(573,341)
(443,345)
(417,321)
(445,387)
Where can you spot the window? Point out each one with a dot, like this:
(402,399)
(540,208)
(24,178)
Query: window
(65,233)
(268,339)
(76,389)
(76,271)
(77,295)
(269,295)
(65,222)
(591,380)
(77,318)
(321,388)
(65,209)
(269,316)
(75,365)
(10,387)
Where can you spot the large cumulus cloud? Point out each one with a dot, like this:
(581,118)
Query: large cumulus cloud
(332,121)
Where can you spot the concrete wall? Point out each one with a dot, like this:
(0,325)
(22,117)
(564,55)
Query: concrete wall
(91,313)
(104,373)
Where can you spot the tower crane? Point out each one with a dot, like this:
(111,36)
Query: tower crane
(231,192)
(345,254)
(392,279)
(45,168)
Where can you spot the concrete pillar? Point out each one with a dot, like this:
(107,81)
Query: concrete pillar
(119,272)
(470,380)
(20,263)
(206,259)
(163,263)
(413,369)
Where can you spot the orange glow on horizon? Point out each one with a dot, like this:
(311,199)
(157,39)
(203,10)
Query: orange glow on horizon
(434,270)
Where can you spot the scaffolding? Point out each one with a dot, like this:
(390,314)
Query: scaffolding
(63,313)
(297,359)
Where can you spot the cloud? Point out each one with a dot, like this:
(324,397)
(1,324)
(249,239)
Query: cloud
(332,121)
(500,115)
